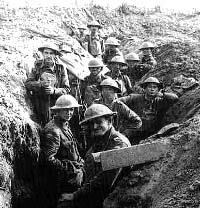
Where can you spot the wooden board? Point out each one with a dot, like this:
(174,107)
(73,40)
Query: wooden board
(133,155)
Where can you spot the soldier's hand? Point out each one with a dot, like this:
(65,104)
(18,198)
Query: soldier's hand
(66,200)
(45,83)
(49,90)
(66,197)
(78,179)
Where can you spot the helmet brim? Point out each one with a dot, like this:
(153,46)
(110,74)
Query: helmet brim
(99,87)
(124,64)
(97,116)
(99,26)
(41,49)
(60,108)
(143,85)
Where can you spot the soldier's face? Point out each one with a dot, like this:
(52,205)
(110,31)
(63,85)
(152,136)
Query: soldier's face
(94,29)
(65,114)
(112,47)
(116,68)
(95,70)
(81,31)
(146,51)
(151,89)
(132,63)
(48,53)
(100,126)
(108,93)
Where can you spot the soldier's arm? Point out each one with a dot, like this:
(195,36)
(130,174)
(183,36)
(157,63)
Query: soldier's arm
(97,189)
(126,99)
(64,87)
(153,61)
(32,82)
(128,85)
(49,149)
(170,98)
(125,112)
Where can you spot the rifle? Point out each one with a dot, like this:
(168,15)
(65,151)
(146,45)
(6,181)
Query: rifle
(81,111)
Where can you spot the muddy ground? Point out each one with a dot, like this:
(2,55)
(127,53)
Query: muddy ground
(172,181)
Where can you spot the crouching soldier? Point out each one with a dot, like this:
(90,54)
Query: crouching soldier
(60,160)
(47,81)
(99,183)
(151,106)
(126,118)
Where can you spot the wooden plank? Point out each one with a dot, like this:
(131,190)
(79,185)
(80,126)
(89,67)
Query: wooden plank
(137,154)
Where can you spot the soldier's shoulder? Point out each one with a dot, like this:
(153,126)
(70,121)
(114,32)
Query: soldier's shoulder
(120,138)
(98,101)
(133,96)
(51,127)
(38,63)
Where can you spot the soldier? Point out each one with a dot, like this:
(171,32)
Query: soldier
(81,35)
(126,118)
(117,67)
(60,160)
(147,57)
(47,81)
(151,106)
(133,72)
(111,50)
(95,43)
(89,85)
(99,183)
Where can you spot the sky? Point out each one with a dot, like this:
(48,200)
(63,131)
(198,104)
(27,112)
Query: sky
(168,4)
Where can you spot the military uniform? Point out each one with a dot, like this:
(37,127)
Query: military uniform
(95,45)
(41,101)
(124,84)
(108,55)
(125,119)
(61,164)
(99,183)
(148,59)
(89,88)
(150,111)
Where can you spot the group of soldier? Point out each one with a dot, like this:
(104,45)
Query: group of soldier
(107,115)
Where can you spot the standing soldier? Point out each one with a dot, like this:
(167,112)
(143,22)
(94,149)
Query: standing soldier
(126,118)
(117,67)
(133,72)
(111,50)
(95,43)
(89,85)
(99,183)
(81,35)
(47,81)
(60,160)
(151,106)
(147,57)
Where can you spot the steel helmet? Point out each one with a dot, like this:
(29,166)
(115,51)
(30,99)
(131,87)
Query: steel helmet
(94,23)
(132,57)
(110,83)
(95,63)
(65,48)
(112,41)
(95,111)
(118,59)
(65,101)
(82,27)
(50,46)
(147,45)
(151,80)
